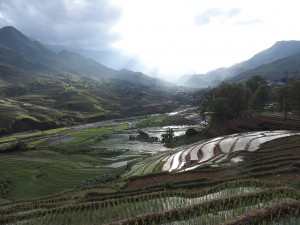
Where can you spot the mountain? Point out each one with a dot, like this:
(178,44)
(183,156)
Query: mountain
(36,53)
(111,59)
(288,67)
(194,81)
(41,89)
(13,39)
(209,79)
(280,50)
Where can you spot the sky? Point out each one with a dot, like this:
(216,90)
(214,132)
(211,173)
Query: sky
(169,37)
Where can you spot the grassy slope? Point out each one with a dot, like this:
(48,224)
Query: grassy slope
(43,171)
(16,137)
(37,173)
(63,97)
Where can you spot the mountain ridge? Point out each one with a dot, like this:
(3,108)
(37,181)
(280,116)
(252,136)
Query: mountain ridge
(37,53)
(41,89)
(288,67)
(280,50)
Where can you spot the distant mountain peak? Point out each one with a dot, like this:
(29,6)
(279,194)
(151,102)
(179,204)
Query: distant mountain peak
(279,50)
(283,42)
(12,38)
(10,29)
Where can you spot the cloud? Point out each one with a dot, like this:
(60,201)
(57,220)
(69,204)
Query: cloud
(206,16)
(249,22)
(232,12)
(80,23)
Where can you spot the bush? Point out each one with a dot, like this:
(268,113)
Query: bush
(191,132)
(104,178)
(15,147)
(5,186)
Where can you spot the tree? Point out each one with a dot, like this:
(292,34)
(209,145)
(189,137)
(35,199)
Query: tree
(255,82)
(296,96)
(205,102)
(221,112)
(283,96)
(168,136)
(261,97)
(191,132)
(288,97)
(226,102)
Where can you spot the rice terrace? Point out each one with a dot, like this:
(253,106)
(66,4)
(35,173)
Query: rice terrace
(87,138)
(242,178)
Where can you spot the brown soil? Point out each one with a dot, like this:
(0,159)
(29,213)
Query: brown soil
(249,123)
(179,177)
(200,154)
(265,214)
(283,177)
(190,162)
(188,159)
(217,150)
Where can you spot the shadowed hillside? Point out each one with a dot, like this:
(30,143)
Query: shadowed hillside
(41,89)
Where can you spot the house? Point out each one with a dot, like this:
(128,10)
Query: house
(143,136)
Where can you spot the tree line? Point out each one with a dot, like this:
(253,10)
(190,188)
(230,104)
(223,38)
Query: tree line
(230,100)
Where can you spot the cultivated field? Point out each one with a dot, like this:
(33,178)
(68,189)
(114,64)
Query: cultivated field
(213,151)
(262,189)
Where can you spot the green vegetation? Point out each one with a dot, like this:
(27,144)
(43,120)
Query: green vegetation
(5,186)
(168,135)
(150,122)
(41,89)
(207,195)
(162,120)
(213,205)
(82,141)
(288,98)
(191,136)
(232,100)
(62,99)
(186,140)
(37,171)
(104,178)
(16,137)
(225,102)
(68,175)
(15,147)
(44,172)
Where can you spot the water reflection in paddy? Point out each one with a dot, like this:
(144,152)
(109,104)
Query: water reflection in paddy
(121,140)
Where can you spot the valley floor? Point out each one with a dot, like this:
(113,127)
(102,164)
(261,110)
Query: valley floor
(66,177)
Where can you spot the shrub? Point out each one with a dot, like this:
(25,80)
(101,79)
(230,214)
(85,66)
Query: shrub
(191,132)
(5,186)
(104,178)
(15,147)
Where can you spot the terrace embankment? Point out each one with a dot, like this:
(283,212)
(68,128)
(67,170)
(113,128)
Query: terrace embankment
(274,160)
(253,123)
(159,179)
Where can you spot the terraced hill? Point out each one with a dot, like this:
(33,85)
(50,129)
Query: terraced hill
(261,189)
(223,203)
(41,89)
(211,151)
